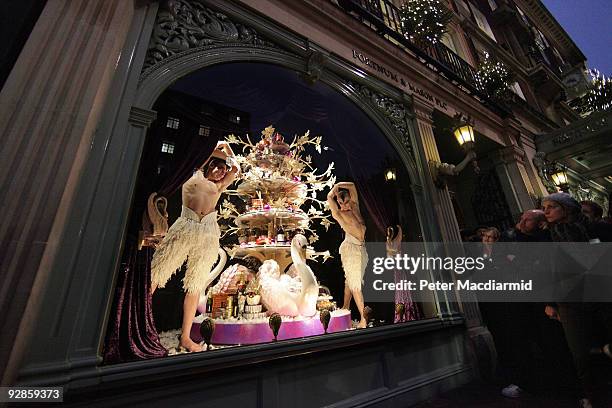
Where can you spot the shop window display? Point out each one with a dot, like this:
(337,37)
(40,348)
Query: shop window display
(303,187)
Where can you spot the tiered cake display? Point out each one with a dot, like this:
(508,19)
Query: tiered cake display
(271,227)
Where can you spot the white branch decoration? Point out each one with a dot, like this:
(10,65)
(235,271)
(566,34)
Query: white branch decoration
(278,178)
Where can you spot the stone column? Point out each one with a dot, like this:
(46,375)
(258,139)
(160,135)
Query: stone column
(443,206)
(481,346)
(442,200)
(510,167)
(49,110)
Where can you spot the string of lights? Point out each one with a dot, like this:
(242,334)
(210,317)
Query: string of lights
(424,20)
(599,95)
(493,78)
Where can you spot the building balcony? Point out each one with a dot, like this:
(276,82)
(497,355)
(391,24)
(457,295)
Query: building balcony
(546,82)
(384,18)
(505,16)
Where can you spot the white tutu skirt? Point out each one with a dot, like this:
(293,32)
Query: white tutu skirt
(189,238)
(354,260)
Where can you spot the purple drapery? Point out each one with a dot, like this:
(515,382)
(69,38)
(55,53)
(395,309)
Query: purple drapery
(131,333)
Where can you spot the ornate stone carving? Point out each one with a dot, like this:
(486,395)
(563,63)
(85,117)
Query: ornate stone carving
(314,67)
(394,112)
(542,165)
(510,154)
(586,129)
(183,25)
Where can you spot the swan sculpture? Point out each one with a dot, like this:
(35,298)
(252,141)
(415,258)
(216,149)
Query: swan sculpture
(310,287)
(286,295)
(158,215)
(278,294)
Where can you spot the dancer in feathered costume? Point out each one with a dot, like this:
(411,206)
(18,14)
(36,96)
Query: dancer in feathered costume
(286,295)
(344,205)
(195,236)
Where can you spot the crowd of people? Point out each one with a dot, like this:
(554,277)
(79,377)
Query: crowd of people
(544,340)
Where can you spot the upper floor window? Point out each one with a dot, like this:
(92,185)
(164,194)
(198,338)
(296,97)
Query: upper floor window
(482,22)
(523,16)
(542,39)
(204,131)
(463,7)
(543,45)
(516,88)
(558,55)
(450,40)
(235,118)
(172,123)
(167,147)
(447,40)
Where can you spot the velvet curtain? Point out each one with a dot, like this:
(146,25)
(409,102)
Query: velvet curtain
(131,334)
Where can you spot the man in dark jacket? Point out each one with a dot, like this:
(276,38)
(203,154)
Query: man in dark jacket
(515,325)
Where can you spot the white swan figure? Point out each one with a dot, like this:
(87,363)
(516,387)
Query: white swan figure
(278,294)
(286,295)
(307,303)
(211,277)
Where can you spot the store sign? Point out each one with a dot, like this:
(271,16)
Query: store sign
(409,87)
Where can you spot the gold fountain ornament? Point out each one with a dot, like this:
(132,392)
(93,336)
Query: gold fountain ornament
(207,328)
(275,321)
(325,317)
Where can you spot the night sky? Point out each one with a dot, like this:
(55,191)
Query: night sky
(589,23)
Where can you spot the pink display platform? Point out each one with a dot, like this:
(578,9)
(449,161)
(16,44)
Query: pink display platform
(230,332)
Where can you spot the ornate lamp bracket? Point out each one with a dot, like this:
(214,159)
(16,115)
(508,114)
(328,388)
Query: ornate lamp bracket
(463,130)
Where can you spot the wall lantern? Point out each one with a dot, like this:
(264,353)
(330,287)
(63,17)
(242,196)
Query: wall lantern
(463,129)
(464,132)
(390,175)
(559,177)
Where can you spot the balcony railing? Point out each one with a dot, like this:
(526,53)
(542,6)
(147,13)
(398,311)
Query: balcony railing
(384,17)
(536,50)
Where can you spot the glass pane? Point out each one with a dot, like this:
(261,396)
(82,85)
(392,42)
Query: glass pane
(301,139)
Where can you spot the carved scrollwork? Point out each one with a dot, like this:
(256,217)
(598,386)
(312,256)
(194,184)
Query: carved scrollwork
(314,66)
(587,129)
(542,165)
(183,25)
(395,113)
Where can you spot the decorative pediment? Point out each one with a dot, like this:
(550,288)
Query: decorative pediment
(395,113)
(182,26)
